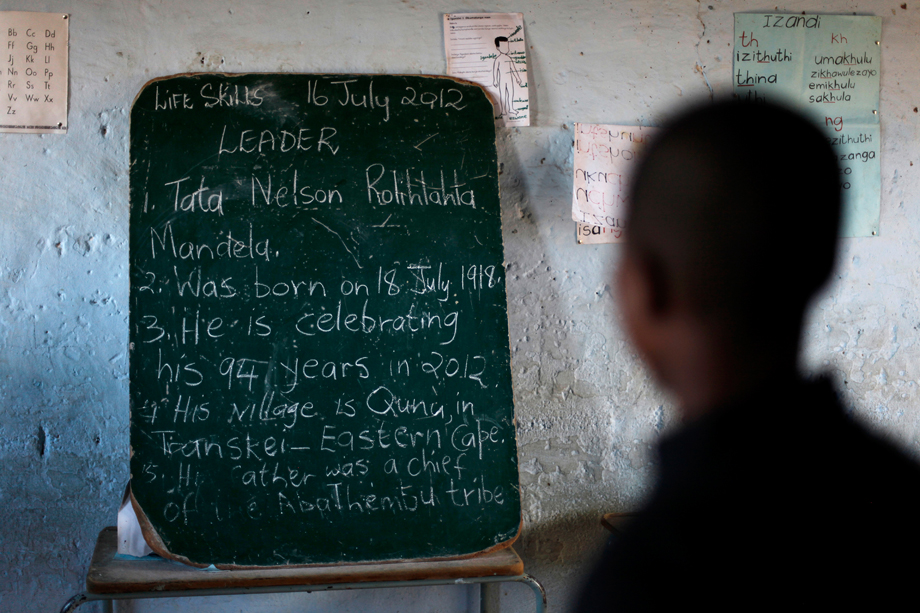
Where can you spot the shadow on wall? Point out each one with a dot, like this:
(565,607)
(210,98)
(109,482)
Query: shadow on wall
(560,546)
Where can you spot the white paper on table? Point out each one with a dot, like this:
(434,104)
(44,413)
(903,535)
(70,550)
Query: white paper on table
(131,541)
(605,158)
(489,49)
(33,63)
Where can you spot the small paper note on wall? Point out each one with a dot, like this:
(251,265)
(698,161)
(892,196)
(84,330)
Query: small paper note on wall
(33,88)
(605,158)
(827,66)
(489,49)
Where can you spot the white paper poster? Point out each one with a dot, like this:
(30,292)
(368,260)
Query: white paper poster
(828,67)
(489,49)
(33,72)
(605,158)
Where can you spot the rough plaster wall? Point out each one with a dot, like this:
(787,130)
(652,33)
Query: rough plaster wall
(588,413)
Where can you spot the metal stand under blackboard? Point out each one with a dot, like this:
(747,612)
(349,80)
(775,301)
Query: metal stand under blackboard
(111,579)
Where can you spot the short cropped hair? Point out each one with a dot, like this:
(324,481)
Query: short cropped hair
(737,206)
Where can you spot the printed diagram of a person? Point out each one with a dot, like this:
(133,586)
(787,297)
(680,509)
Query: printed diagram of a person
(503,76)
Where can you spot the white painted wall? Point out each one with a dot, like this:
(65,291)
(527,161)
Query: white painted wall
(587,411)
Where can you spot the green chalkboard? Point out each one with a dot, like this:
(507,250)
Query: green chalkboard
(320,369)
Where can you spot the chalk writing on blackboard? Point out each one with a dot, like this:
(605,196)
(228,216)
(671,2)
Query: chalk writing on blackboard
(320,367)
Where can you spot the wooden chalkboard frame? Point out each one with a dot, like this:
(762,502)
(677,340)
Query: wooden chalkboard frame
(179,100)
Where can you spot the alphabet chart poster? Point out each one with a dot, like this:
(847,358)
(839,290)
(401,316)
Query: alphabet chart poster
(33,83)
(489,49)
(828,67)
(605,158)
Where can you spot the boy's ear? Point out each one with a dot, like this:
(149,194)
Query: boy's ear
(648,313)
(643,287)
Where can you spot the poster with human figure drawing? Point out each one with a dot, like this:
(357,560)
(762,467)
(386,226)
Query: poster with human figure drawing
(489,49)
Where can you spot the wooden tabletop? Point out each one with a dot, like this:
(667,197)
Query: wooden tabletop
(109,575)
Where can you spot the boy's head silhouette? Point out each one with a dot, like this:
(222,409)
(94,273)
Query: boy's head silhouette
(731,229)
